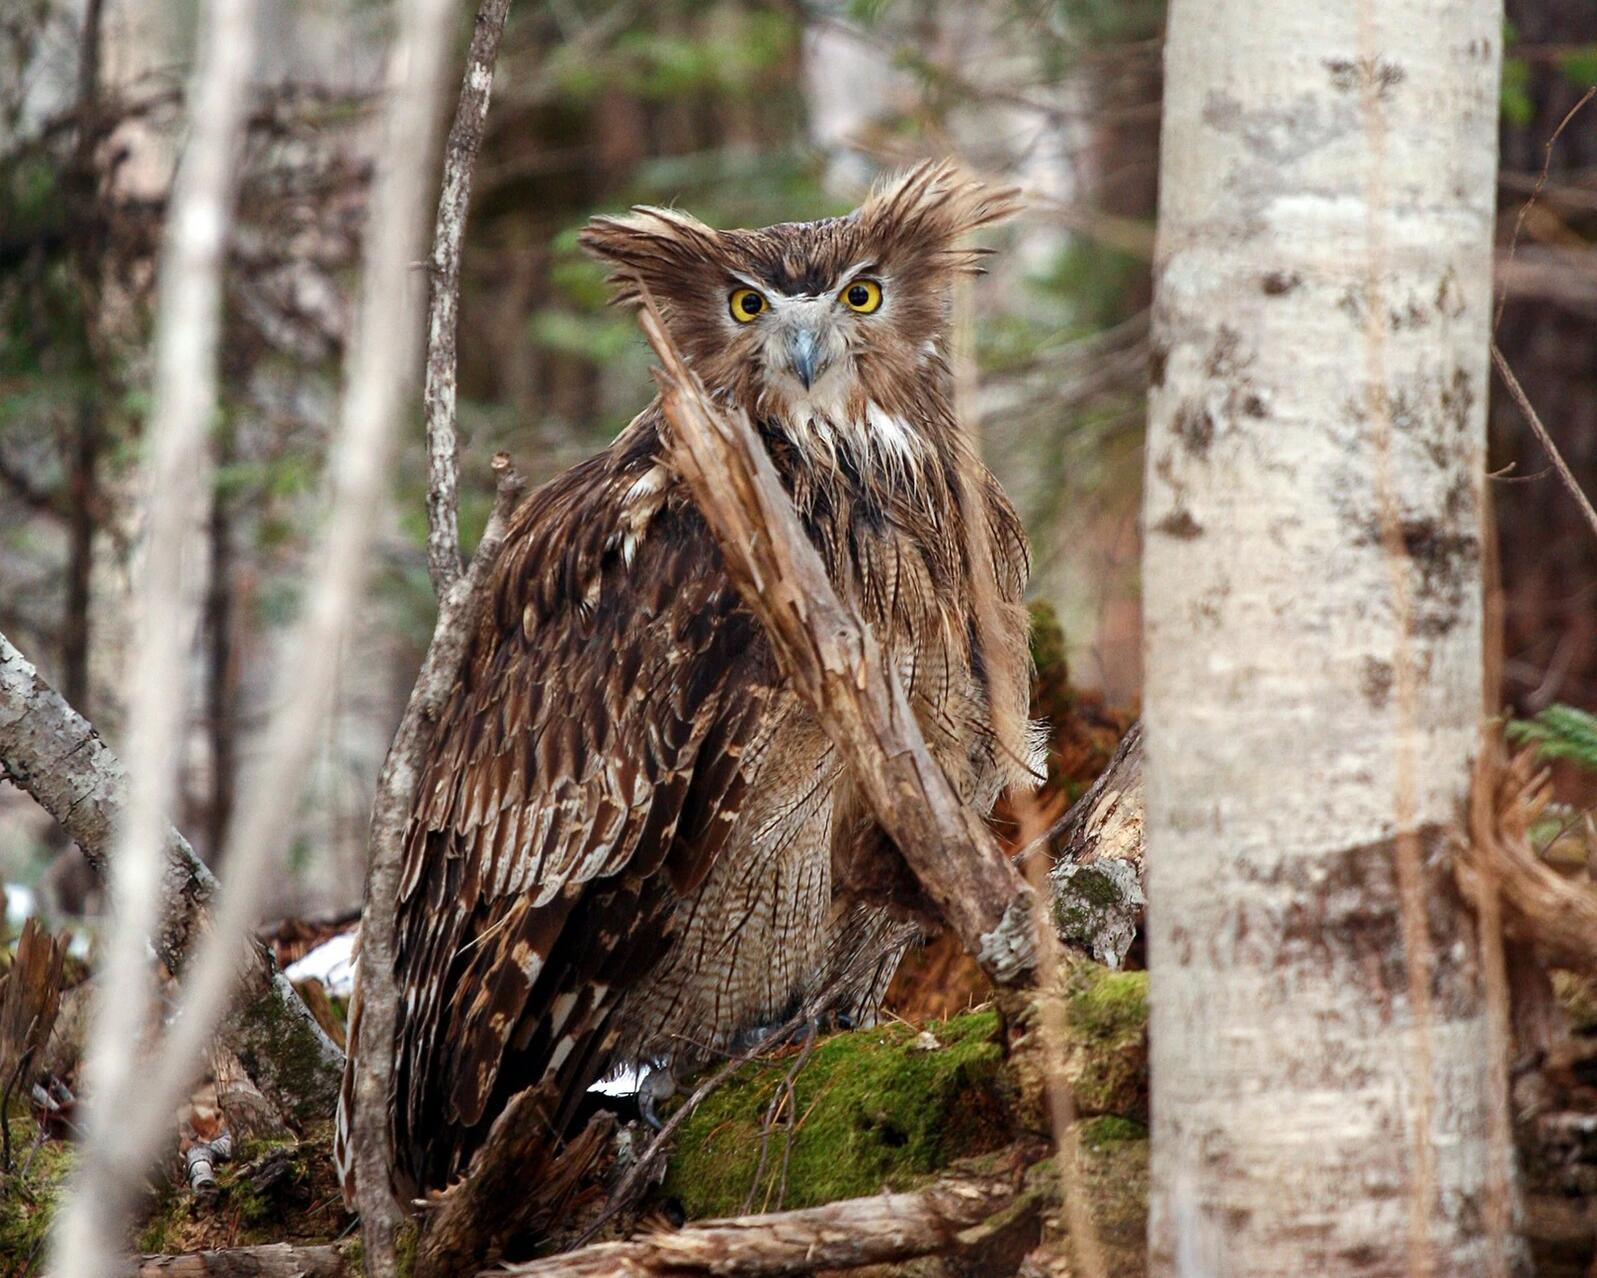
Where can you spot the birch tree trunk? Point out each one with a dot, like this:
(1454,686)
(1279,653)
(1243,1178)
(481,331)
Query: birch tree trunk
(1322,1094)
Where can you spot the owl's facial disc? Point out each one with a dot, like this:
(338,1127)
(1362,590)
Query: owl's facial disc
(801,344)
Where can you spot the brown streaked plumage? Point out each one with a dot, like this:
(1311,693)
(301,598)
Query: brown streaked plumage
(632,842)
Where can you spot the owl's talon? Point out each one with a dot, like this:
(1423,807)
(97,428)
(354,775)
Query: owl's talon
(658,1084)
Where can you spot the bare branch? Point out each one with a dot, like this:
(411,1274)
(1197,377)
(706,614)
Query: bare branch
(54,754)
(443,319)
(165,606)
(836,665)
(842,1235)
(373,1064)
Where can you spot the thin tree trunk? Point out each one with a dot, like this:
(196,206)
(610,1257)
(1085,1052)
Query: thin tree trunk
(1321,1061)
(76,628)
(221,726)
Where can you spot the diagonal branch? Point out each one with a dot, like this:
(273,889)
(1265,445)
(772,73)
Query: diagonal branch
(1542,434)
(836,665)
(53,753)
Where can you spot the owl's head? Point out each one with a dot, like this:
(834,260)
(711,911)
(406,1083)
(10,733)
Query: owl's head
(844,319)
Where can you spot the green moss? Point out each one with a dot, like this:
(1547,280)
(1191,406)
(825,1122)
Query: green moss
(1107,1014)
(1110,1129)
(1108,1005)
(27,1201)
(298,1065)
(875,1110)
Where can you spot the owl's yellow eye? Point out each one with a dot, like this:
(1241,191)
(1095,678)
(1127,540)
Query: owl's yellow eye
(746,303)
(863,296)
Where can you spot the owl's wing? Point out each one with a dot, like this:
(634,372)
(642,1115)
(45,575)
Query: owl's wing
(582,780)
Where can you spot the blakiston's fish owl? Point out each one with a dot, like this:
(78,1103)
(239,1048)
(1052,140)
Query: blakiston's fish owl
(632,841)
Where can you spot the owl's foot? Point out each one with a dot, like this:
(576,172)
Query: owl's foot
(659,1084)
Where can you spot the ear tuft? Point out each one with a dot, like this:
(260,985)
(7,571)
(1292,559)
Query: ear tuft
(665,249)
(928,209)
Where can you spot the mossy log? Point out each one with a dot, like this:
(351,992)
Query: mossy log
(893,1107)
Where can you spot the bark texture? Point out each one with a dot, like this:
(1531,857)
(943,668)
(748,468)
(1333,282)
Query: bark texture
(1312,569)
(1097,881)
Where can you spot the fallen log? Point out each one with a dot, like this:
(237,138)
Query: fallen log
(874,1230)
(276,1260)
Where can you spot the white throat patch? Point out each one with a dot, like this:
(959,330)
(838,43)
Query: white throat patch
(876,439)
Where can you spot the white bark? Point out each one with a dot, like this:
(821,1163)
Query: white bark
(1313,591)
(165,605)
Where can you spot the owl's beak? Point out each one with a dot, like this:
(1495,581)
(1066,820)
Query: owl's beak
(803,354)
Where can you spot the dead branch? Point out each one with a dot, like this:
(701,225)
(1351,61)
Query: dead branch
(443,319)
(54,754)
(279,1260)
(201,1160)
(518,1183)
(842,1235)
(836,665)
(396,790)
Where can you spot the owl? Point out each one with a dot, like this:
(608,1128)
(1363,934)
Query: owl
(633,844)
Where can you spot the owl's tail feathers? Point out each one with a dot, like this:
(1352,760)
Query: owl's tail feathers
(520,1185)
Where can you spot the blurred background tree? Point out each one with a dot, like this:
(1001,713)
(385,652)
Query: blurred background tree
(746,112)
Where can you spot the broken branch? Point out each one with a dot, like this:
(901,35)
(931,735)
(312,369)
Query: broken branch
(279,1260)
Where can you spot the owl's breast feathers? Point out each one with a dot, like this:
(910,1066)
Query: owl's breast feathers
(585,775)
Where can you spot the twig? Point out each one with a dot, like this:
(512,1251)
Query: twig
(793,1115)
(443,319)
(835,664)
(1535,194)
(849,1234)
(782,1096)
(1546,440)
(165,606)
